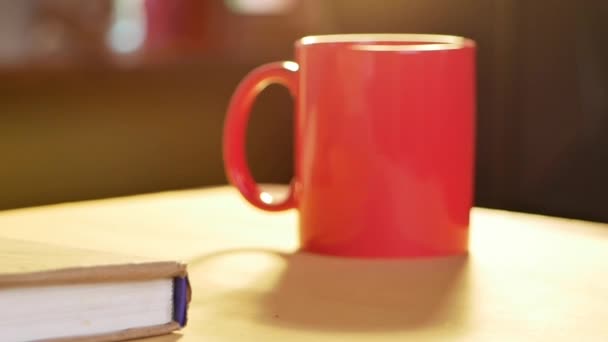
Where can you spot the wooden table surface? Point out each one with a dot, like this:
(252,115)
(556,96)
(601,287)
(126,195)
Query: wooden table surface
(527,278)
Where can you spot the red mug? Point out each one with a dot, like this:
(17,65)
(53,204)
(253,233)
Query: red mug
(384,143)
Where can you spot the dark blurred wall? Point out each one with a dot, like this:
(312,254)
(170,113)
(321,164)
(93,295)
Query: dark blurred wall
(559,156)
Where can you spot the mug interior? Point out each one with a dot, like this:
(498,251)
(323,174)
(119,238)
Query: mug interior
(389,41)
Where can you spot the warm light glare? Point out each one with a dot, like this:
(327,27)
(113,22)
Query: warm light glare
(266,197)
(260,7)
(128,29)
(291,66)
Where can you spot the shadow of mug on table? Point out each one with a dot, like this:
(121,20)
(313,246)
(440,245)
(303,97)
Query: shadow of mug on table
(313,292)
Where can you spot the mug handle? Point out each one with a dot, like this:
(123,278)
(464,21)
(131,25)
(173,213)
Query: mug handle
(235,127)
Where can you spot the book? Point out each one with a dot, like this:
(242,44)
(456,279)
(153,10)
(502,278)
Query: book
(59,293)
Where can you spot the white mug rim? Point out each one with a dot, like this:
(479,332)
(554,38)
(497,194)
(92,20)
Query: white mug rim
(358,41)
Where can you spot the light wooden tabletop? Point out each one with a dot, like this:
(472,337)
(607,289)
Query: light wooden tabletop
(527,278)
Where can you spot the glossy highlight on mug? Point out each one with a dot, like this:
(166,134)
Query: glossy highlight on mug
(394,38)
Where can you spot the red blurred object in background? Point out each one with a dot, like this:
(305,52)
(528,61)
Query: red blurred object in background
(176,26)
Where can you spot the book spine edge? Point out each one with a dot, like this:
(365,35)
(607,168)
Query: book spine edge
(181,299)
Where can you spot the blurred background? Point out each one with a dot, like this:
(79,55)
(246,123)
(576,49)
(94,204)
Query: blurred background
(104,98)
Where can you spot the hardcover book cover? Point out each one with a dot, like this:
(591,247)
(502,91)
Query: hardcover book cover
(59,293)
